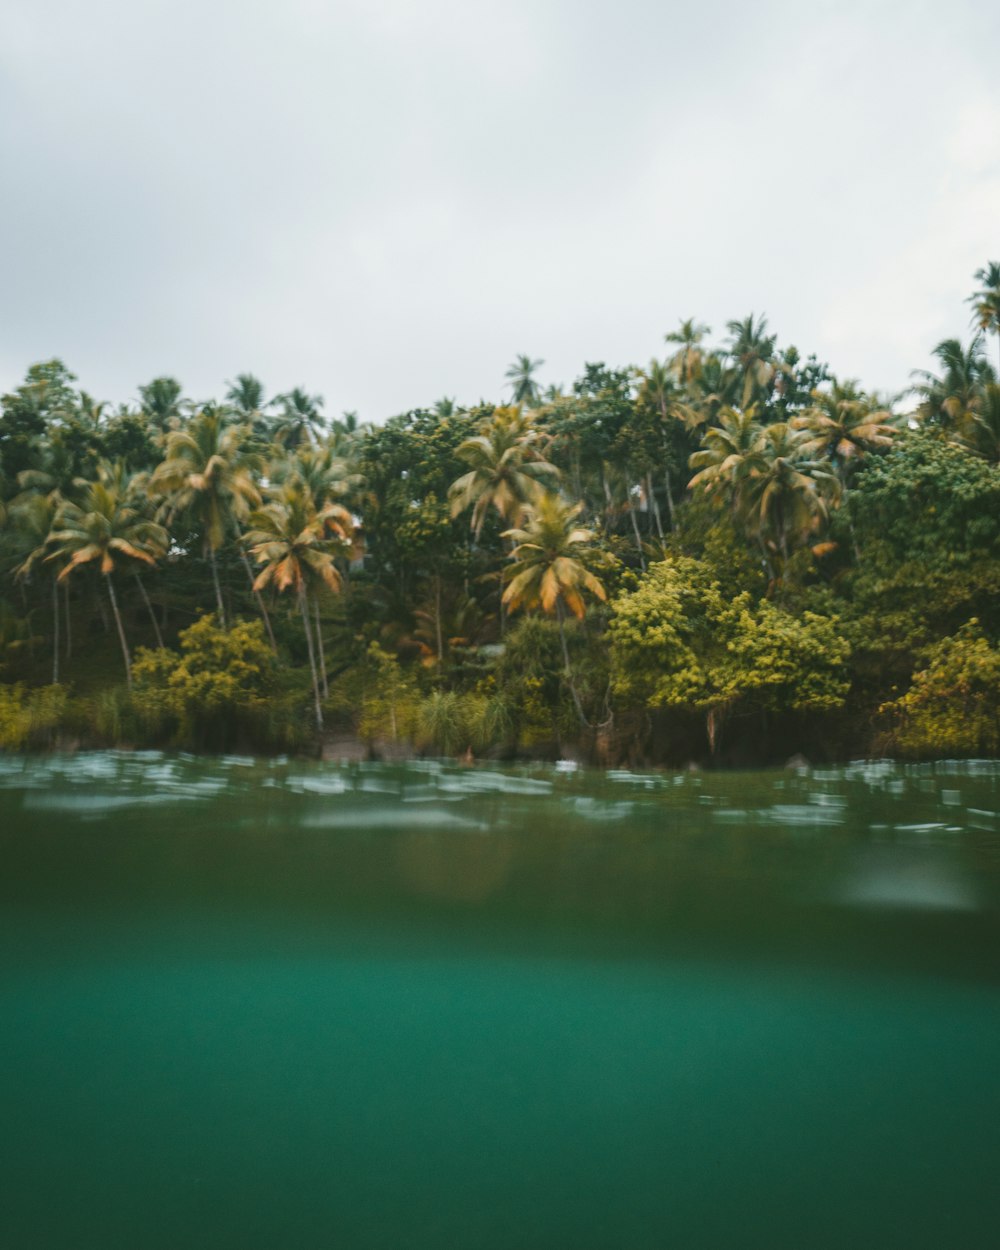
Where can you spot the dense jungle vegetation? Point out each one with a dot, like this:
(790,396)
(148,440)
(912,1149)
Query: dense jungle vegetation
(729,554)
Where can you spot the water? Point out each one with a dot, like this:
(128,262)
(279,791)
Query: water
(267,1004)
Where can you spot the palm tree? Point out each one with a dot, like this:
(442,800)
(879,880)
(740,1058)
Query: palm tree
(726,456)
(986,301)
(293,540)
(106,529)
(657,388)
(505,468)
(161,402)
(521,377)
(299,419)
(844,423)
(980,433)
(549,568)
(687,360)
(206,475)
(326,476)
(786,494)
(246,395)
(753,350)
(949,401)
(31,518)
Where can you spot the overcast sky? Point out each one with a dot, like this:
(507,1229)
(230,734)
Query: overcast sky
(385,200)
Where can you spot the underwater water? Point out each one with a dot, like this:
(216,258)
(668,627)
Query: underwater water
(274,1004)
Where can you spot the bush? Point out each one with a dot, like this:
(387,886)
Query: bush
(30,719)
(214,694)
(953,705)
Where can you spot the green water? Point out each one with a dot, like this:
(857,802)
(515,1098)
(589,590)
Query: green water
(267,1004)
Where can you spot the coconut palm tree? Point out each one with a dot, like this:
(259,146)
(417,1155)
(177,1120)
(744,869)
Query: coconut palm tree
(106,529)
(753,350)
(295,543)
(786,494)
(31,520)
(550,568)
(949,400)
(521,378)
(299,418)
(844,423)
(986,301)
(657,388)
(246,396)
(326,476)
(980,432)
(726,456)
(161,402)
(686,362)
(206,475)
(506,467)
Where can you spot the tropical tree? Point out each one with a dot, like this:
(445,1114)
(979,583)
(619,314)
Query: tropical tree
(327,477)
(949,400)
(551,567)
(31,520)
(726,458)
(206,476)
(247,396)
(843,424)
(521,379)
(980,432)
(295,543)
(299,418)
(986,301)
(686,362)
(506,468)
(108,530)
(658,390)
(786,494)
(161,402)
(753,350)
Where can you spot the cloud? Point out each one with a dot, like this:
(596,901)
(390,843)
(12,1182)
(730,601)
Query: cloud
(385,201)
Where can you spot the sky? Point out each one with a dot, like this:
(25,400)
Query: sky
(385,201)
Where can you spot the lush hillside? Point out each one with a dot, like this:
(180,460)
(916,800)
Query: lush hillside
(729,554)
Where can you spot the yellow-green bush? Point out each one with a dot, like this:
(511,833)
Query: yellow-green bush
(953,705)
(30,718)
(215,694)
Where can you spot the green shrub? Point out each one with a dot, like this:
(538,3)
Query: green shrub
(214,694)
(953,705)
(30,719)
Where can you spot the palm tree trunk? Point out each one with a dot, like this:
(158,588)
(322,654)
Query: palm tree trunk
(303,608)
(437,620)
(560,615)
(319,647)
(218,588)
(630,503)
(260,601)
(55,615)
(651,494)
(69,622)
(149,609)
(666,469)
(712,726)
(121,630)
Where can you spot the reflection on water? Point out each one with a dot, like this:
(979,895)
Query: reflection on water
(266,1003)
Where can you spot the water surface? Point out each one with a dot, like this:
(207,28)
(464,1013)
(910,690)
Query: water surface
(266,1004)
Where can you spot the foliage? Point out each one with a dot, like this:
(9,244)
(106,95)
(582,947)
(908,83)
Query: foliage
(30,719)
(213,693)
(390,706)
(678,641)
(953,705)
(776,543)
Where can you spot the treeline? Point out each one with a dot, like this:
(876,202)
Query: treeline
(729,554)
